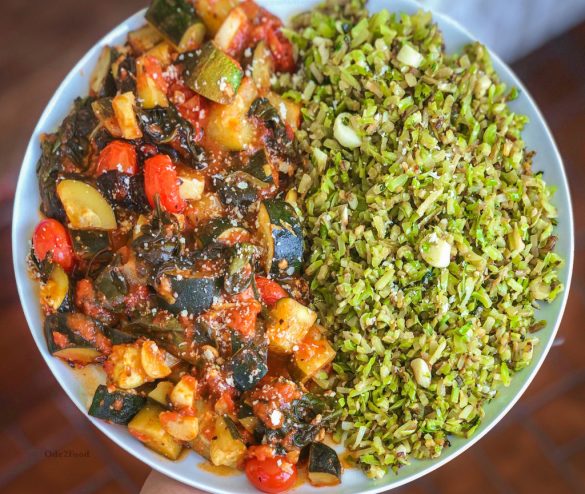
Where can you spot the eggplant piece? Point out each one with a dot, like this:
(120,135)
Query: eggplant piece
(260,167)
(86,208)
(124,190)
(146,427)
(324,467)
(177,21)
(282,238)
(124,73)
(241,270)
(75,337)
(116,406)
(192,294)
(118,337)
(248,366)
(112,284)
(89,243)
(238,190)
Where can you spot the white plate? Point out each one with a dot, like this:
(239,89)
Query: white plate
(26,216)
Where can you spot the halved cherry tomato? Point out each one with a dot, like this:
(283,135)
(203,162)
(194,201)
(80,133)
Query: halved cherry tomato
(272,475)
(270,291)
(282,51)
(120,156)
(52,238)
(160,179)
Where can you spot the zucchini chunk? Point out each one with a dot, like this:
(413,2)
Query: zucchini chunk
(247,418)
(314,353)
(241,270)
(89,243)
(163,52)
(148,91)
(216,75)
(324,466)
(104,112)
(229,125)
(97,81)
(118,337)
(177,21)
(248,365)
(233,33)
(85,207)
(144,39)
(75,337)
(161,392)
(282,237)
(117,406)
(227,448)
(191,293)
(146,427)
(222,231)
(214,12)
(55,291)
(124,108)
(288,323)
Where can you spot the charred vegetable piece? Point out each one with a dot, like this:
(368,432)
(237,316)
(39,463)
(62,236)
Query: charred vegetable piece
(118,337)
(282,237)
(227,448)
(240,271)
(101,72)
(221,230)
(249,366)
(177,21)
(54,292)
(124,190)
(86,208)
(289,111)
(74,337)
(147,428)
(89,243)
(192,294)
(324,467)
(151,86)
(104,112)
(314,353)
(260,167)
(116,406)
(233,35)
(215,75)
(288,324)
(240,189)
(144,39)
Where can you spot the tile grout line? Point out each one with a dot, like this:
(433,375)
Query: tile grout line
(550,451)
(90,434)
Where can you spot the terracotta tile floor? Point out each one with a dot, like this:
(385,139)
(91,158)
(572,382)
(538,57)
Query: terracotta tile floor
(538,448)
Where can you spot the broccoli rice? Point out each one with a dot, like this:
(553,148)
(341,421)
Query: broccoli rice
(430,236)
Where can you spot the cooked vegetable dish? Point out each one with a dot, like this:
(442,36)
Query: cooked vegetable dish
(171,248)
(263,235)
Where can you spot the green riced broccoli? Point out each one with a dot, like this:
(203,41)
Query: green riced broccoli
(430,237)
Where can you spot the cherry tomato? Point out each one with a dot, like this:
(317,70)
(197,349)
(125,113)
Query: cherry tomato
(120,156)
(272,475)
(282,51)
(160,178)
(270,291)
(51,237)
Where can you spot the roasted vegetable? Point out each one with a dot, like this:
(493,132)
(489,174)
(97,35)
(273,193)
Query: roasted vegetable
(282,237)
(161,392)
(124,110)
(314,352)
(181,426)
(188,292)
(177,21)
(239,190)
(150,84)
(249,366)
(147,428)
(227,448)
(115,406)
(240,271)
(143,39)
(101,73)
(261,168)
(55,292)
(233,33)
(75,337)
(214,12)
(215,75)
(222,231)
(324,467)
(86,208)
(288,324)
(262,67)
(124,366)
(124,190)
(104,112)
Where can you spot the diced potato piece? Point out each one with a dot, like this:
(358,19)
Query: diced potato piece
(288,324)
(228,125)
(163,52)
(314,353)
(123,106)
(206,416)
(233,32)
(207,208)
(124,367)
(153,360)
(192,183)
(149,92)
(144,39)
(162,392)
(289,111)
(214,12)
(225,449)
(147,428)
(184,392)
(181,427)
